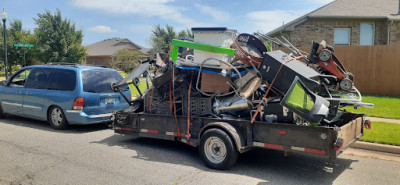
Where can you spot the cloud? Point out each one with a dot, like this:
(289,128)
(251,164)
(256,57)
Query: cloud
(141,28)
(218,15)
(151,8)
(320,1)
(102,29)
(269,20)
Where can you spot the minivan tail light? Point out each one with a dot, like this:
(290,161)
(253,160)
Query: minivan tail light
(79,104)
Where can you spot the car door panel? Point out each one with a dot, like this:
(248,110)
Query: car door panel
(33,105)
(12,100)
(36,93)
(13,92)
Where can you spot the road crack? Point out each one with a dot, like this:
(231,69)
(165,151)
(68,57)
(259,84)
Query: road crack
(190,178)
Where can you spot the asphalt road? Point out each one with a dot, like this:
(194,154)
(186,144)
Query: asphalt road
(33,153)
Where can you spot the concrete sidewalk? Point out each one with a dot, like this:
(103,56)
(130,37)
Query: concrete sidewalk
(384,120)
(372,154)
(376,147)
(373,150)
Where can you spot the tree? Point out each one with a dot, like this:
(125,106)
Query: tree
(58,40)
(126,60)
(185,33)
(15,35)
(161,39)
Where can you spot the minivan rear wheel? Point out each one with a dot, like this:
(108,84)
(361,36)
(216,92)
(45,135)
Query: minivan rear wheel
(57,118)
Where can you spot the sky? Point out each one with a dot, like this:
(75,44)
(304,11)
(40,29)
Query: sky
(134,19)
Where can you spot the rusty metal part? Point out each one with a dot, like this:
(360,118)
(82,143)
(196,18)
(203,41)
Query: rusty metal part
(198,106)
(250,87)
(239,141)
(213,83)
(249,49)
(241,82)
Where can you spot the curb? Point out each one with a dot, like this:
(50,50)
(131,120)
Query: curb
(376,147)
(388,120)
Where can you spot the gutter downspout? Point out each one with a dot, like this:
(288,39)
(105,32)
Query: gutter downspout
(388,31)
(390,24)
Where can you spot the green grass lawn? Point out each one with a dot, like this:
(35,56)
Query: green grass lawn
(385,106)
(2,76)
(381,132)
(142,86)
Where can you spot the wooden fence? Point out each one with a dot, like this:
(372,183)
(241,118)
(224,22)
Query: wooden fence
(376,69)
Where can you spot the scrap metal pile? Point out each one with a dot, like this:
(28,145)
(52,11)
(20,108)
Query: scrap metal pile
(227,75)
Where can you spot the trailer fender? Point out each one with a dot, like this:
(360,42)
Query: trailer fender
(231,131)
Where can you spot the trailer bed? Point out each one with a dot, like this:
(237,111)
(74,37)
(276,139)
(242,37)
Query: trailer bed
(319,140)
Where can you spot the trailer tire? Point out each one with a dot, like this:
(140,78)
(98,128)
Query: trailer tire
(217,149)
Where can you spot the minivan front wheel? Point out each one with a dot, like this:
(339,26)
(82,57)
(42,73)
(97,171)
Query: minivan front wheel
(57,118)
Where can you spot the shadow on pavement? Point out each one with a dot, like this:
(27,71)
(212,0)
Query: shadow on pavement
(269,166)
(42,125)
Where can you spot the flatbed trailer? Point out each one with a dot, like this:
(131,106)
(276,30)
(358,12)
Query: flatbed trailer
(220,141)
(257,99)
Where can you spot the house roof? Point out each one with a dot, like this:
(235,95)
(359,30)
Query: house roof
(363,9)
(108,47)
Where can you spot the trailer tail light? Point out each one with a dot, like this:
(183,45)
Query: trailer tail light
(282,132)
(315,151)
(338,144)
(367,124)
(79,104)
(126,129)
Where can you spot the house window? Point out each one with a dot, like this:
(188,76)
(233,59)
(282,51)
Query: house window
(341,37)
(367,34)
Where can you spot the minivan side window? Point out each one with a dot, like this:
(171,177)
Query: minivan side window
(63,80)
(20,79)
(38,78)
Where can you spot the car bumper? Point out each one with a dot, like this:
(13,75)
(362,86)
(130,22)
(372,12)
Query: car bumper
(81,118)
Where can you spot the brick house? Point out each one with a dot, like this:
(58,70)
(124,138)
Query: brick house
(101,53)
(346,22)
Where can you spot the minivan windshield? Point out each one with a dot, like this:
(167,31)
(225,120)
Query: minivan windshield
(99,81)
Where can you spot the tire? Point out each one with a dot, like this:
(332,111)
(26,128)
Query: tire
(57,119)
(351,76)
(2,114)
(217,149)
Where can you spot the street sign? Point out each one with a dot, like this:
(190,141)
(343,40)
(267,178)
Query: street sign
(23,44)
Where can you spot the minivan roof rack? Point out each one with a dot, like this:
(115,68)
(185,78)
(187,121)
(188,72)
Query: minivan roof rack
(74,64)
(63,64)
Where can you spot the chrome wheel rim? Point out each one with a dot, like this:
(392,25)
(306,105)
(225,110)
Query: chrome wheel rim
(215,150)
(56,116)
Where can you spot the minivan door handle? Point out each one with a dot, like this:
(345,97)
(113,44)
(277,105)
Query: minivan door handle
(18,92)
(28,93)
